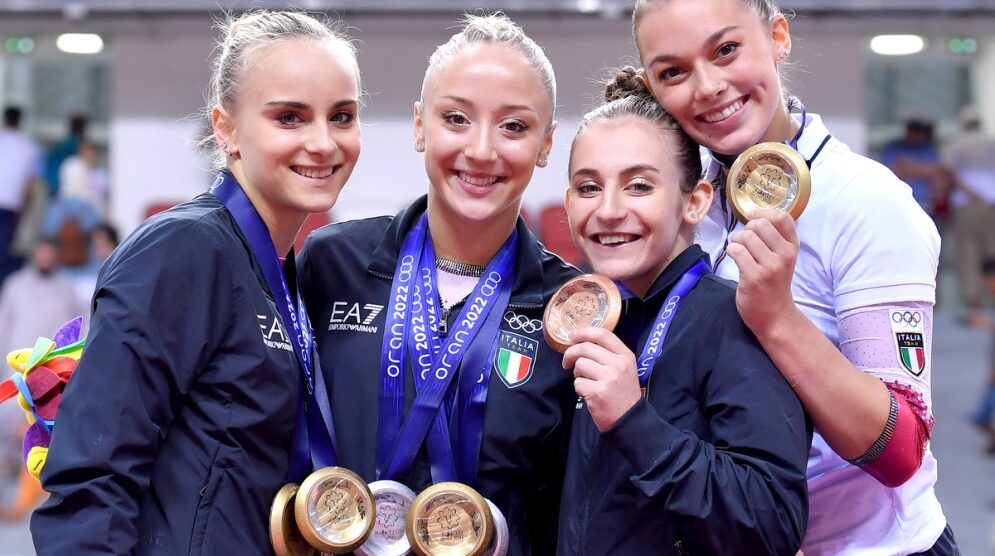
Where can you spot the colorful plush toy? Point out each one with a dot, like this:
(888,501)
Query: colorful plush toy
(40,377)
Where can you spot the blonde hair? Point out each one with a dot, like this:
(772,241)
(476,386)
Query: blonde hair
(242,37)
(496,28)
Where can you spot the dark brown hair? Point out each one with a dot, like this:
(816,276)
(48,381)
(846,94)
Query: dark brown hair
(626,95)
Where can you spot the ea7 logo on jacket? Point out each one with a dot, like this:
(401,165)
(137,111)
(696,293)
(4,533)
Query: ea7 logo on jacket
(354,317)
(515,358)
(273,335)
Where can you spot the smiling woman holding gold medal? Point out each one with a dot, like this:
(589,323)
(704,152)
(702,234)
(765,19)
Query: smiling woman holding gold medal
(428,324)
(842,300)
(178,427)
(698,445)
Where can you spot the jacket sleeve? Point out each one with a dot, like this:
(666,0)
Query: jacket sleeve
(158,313)
(744,491)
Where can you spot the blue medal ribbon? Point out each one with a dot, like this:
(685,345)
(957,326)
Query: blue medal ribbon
(313,445)
(661,326)
(413,323)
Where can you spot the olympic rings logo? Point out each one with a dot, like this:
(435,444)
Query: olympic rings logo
(523,323)
(908,318)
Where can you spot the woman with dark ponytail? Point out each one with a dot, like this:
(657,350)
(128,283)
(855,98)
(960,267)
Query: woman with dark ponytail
(696,445)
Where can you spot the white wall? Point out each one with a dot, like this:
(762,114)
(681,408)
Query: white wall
(160,72)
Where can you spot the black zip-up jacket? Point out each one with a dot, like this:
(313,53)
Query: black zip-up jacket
(346,272)
(711,461)
(174,432)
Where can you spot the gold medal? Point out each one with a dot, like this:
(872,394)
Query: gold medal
(768,175)
(588,300)
(450,519)
(283,532)
(334,510)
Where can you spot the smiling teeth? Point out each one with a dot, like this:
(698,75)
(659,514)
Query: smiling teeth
(477,181)
(612,239)
(313,172)
(719,116)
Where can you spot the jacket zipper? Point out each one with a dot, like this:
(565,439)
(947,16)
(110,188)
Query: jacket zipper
(586,505)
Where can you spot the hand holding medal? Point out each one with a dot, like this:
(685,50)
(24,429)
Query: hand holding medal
(768,175)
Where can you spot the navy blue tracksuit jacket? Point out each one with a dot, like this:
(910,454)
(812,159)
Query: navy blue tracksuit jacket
(174,432)
(711,461)
(346,272)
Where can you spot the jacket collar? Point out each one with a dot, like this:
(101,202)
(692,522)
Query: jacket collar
(677,267)
(528,287)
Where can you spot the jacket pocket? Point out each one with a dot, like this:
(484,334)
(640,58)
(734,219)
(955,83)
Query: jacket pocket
(208,494)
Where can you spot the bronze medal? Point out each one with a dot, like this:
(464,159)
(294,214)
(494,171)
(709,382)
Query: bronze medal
(451,519)
(588,300)
(334,510)
(769,175)
(283,532)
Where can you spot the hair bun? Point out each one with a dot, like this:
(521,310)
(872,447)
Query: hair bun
(626,81)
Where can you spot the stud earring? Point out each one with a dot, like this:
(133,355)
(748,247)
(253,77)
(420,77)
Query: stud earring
(543,160)
(419,144)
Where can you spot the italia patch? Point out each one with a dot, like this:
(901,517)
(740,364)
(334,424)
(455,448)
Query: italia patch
(909,330)
(515,358)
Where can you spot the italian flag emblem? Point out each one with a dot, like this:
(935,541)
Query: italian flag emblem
(910,351)
(515,358)
(514,367)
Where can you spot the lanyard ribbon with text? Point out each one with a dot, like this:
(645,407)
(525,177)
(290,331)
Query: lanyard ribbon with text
(661,326)
(313,445)
(412,326)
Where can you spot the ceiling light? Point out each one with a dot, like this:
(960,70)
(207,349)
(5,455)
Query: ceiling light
(897,45)
(80,43)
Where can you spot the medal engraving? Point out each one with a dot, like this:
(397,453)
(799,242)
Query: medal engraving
(389,538)
(334,510)
(588,300)
(769,175)
(451,519)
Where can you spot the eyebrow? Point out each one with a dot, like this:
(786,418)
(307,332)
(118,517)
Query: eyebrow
(713,38)
(304,106)
(586,172)
(462,100)
(634,169)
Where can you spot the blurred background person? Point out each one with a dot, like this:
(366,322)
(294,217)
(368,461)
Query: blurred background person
(984,414)
(970,160)
(915,159)
(84,181)
(100,243)
(36,300)
(62,150)
(19,167)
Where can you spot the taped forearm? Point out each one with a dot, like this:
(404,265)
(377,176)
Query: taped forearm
(893,343)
